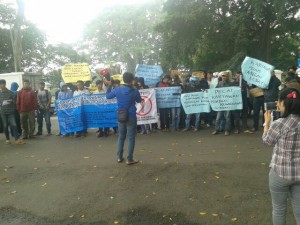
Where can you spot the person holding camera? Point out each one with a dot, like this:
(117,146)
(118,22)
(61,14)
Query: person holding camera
(284,135)
(126,96)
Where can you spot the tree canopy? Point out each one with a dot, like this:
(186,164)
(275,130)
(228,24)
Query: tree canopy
(218,34)
(126,34)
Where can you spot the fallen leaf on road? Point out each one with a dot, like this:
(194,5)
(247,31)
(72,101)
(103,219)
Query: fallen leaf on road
(202,213)
(227,196)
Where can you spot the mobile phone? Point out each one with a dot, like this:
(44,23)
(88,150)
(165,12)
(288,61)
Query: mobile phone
(271,106)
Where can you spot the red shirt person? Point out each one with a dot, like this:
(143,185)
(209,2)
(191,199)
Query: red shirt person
(27,103)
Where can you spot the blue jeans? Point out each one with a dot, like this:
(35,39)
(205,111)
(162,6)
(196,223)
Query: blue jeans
(10,119)
(226,115)
(145,128)
(280,190)
(128,128)
(43,113)
(258,104)
(175,117)
(188,120)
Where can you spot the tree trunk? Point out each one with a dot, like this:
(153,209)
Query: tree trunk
(16,36)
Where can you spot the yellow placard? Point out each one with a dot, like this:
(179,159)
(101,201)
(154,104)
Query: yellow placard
(71,73)
(175,73)
(199,74)
(118,77)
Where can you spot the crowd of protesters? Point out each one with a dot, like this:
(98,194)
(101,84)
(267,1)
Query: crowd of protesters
(26,104)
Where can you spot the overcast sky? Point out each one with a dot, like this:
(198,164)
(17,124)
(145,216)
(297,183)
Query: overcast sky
(64,20)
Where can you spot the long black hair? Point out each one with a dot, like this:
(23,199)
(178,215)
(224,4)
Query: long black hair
(291,101)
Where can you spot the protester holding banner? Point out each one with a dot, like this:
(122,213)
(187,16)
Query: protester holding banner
(102,131)
(243,113)
(193,86)
(284,135)
(164,113)
(226,115)
(176,111)
(140,85)
(64,93)
(126,96)
(81,90)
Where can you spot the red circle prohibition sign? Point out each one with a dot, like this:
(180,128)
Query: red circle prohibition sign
(146,106)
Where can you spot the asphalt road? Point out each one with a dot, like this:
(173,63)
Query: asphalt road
(183,178)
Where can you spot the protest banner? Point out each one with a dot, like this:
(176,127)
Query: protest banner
(71,73)
(151,73)
(86,111)
(176,73)
(147,110)
(256,72)
(195,102)
(118,77)
(199,74)
(226,98)
(168,97)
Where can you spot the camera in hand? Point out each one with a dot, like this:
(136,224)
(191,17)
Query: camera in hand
(270,106)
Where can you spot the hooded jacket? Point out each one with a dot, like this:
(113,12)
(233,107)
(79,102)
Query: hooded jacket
(14,88)
(64,94)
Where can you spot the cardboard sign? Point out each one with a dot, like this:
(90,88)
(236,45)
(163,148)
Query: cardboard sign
(71,73)
(226,98)
(256,72)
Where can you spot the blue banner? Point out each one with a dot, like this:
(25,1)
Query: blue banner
(196,102)
(151,73)
(226,98)
(256,72)
(168,97)
(86,111)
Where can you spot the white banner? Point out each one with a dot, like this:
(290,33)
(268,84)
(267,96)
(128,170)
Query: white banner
(146,112)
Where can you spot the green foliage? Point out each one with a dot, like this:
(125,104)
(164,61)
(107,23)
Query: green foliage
(218,34)
(125,34)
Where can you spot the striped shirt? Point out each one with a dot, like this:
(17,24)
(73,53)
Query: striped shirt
(284,135)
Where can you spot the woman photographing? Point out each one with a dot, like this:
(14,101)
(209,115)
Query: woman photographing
(284,135)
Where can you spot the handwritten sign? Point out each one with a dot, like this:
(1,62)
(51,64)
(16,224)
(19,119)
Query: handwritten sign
(146,111)
(256,72)
(224,99)
(150,73)
(71,73)
(196,102)
(168,97)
